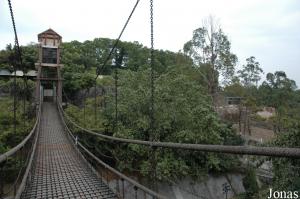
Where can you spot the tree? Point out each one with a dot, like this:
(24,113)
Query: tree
(250,73)
(211,47)
(7,57)
(287,170)
(183,114)
(278,91)
(29,57)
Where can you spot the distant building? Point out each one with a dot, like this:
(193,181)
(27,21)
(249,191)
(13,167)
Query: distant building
(18,73)
(233,100)
(6,73)
(31,73)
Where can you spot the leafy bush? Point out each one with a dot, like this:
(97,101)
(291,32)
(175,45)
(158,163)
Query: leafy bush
(250,183)
(183,114)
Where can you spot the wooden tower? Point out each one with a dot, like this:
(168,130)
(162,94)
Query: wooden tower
(49,81)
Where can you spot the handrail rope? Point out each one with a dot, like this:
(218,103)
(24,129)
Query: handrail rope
(117,41)
(4,156)
(149,191)
(28,160)
(70,102)
(24,179)
(242,150)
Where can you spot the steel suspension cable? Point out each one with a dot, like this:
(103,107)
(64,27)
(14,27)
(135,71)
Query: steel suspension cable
(117,41)
(17,54)
(98,70)
(20,60)
(15,30)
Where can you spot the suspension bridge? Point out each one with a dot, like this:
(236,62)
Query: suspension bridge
(51,162)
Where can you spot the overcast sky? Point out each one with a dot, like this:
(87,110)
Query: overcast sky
(266,29)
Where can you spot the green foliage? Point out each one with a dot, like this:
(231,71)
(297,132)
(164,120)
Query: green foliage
(8,138)
(183,110)
(278,91)
(250,183)
(183,113)
(250,73)
(21,89)
(76,80)
(6,58)
(287,170)
(29,57)
(210,46)
(85,116)
(82,60)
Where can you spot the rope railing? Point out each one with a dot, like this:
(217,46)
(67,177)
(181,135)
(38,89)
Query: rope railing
(123,186)
(11,152)
(16,163)
(242,150)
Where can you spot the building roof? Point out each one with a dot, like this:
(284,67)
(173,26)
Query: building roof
(49,32)
(19,73)
(31,73)
(4,72)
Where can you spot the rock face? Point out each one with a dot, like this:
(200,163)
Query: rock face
(211,188)
(267,112)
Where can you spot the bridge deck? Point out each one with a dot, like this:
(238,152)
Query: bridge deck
(58,170)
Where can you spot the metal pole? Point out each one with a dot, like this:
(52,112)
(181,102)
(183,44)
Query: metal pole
(135,191)
(15,102)
(123,188)
(95,95)
(84,119)
(1,180)
(24,105)
(116,100)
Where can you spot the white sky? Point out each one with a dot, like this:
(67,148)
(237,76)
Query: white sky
(266,29)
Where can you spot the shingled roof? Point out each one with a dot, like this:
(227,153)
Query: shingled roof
(49,32)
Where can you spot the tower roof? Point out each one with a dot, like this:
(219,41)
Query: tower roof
(50,33)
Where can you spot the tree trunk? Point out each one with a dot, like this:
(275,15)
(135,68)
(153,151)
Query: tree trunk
(245,120)
(249,124)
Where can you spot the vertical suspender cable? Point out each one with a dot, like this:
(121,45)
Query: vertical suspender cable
(153,133)
(98,70)
(152,120)
(116,99)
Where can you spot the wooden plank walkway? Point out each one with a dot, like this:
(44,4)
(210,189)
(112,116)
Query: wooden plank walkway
(58,170)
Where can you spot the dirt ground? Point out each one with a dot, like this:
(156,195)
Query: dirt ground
(259,133)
